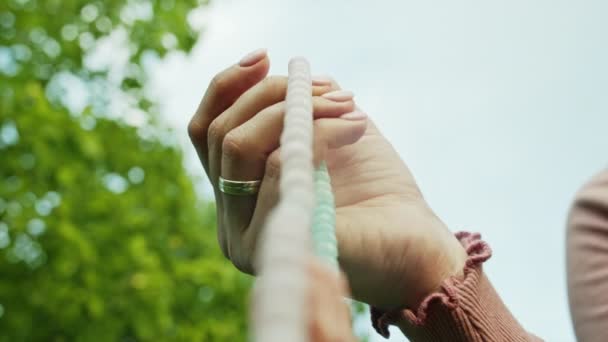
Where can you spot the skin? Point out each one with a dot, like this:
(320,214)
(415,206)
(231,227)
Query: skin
(393,249)
(329,316)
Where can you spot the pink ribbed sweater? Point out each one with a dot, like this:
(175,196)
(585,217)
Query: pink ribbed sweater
(587,261)
(467,309)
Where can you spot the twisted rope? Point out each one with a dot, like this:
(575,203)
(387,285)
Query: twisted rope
(306,209)
(324,219)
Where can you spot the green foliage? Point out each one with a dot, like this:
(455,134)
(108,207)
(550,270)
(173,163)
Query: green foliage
(102,237)
(52,35)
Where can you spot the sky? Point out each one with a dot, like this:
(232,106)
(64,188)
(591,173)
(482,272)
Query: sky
(498,107)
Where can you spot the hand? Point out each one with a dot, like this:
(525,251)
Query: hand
(236,132)
(329,316)
(392,247)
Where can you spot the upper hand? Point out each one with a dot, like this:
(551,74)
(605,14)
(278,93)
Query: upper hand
(393,248)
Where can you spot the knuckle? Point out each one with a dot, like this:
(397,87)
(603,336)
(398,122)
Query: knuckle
(196,131)
(275,84)
(273,166)
(215,132)
(219,83)
(347,106)
(234,146)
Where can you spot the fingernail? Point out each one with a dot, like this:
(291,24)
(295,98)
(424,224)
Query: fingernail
(356,115)
(253,57)
(339,95)
(321,80)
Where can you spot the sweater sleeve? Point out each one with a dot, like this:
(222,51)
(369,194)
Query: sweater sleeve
(587,260)
(465,309)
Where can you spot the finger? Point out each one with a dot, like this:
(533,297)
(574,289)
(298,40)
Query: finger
(244,154)
(223,90)
(264,94)
(344,310)
(328,133)
(319,315)
(336,133)
(267,198)
(247,146)
(334,305)
(337,287)
(327,81)
(329,316)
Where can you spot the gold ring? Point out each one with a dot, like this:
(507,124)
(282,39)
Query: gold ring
(239,188)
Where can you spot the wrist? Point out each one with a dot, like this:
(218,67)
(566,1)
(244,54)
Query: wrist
(444,258)
(430,317)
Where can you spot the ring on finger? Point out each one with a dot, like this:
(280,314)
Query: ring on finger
(239,188)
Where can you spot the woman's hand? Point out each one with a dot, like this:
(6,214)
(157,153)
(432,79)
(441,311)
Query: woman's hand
(328,315)
(392,247)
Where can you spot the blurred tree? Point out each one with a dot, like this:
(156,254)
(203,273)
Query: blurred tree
(100,229)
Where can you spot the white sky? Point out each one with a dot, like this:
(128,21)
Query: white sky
(499,108)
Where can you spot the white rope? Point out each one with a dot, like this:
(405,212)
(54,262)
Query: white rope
(280,294)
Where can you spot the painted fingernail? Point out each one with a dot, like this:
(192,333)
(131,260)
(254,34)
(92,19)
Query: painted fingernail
(253,58)
(356,115)
(339,95)
(321,80)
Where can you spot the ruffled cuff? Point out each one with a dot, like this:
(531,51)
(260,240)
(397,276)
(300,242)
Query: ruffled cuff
(465,308)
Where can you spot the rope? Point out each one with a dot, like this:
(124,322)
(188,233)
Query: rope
(306,209)
(324,219)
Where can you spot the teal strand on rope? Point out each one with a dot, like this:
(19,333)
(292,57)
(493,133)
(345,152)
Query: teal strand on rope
(324,239)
